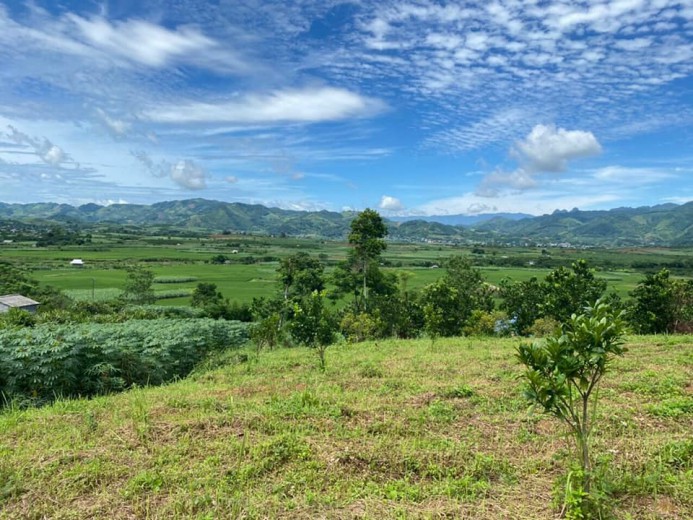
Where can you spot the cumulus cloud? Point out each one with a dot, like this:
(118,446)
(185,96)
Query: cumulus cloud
(478,208)
(548,149)
(48,152)
(186,173)
(499,181)
(390,203)
(311,105)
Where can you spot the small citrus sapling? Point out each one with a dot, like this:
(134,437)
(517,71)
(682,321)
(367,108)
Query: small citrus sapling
(563,372)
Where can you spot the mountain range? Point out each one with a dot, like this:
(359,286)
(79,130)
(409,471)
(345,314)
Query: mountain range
(662,225)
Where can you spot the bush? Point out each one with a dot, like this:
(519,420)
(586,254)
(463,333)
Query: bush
(86,359)
(544,327)
(357,327)
(563,376)
(484,323)
(17,318)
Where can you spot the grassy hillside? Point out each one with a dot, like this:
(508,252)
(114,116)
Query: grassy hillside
(392,430)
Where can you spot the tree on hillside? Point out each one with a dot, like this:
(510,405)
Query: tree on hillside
(442,309)
(138,286)
(367,234)
(206,294)
(449,303)
(313,324)
(523,302)
(300,274)
(470,285)
(568,291)
(661,304)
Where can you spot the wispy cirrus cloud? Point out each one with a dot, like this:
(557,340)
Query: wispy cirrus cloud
(311,105)
(139,41)
(130,42)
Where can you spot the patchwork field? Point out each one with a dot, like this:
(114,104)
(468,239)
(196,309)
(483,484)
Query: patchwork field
(104,275)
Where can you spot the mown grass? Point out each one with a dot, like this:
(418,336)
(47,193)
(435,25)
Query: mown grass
(393,429)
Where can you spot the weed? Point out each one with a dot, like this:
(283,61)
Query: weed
(673,408)
(144,483)
(370,371)
(458,392)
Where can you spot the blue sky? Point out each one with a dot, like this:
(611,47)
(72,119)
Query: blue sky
(414,108)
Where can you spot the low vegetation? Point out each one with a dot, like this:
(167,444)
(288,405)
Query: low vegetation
(412,407)
(397,428)
(43,362)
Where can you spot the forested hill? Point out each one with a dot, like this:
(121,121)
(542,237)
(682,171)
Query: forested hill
(667,224)
(664,225)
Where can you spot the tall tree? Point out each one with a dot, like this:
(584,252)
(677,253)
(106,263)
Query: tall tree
(367,234)
(300,274)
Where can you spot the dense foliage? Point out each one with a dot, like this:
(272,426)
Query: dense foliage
(46,361)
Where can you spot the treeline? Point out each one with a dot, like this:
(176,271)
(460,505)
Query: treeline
(379,304)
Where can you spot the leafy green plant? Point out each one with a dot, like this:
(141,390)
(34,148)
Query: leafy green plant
(358,327)
(543,327)
(564,372)
(314,325)
(51,360)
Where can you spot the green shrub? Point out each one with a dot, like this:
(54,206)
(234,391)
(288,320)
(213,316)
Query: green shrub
(357,327)
(544,327)
(89,358)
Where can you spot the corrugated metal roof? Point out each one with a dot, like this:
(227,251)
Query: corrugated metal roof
(17,300)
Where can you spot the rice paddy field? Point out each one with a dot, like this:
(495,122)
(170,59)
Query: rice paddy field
(252,268)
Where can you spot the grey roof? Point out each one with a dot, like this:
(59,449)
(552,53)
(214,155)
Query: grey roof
(17,300)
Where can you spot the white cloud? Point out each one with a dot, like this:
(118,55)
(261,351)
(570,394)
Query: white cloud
(141,41)
(548,149)
(189,175)
(498,182)
(478,208)
(533,203)
(310,105)
(116,127)
(390,204)
(44,149)
(545,149)
(186,173)
(630,175)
